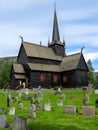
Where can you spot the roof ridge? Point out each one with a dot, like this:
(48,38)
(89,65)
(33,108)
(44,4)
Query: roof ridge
(73,54)
(35,44)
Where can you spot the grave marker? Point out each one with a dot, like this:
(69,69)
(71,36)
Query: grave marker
(88,110)
(3,122)
(47,107)
(60,103)
(12,111)
(70,109)
(19,123)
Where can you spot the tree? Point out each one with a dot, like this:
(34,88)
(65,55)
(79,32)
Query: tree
(5,69)
(91,78)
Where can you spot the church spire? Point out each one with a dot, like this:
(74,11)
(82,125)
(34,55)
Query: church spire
(55,34)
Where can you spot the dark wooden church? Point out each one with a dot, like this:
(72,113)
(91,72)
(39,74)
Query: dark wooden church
(49,66)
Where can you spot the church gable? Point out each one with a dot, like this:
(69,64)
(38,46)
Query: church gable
(70,62)
(82,64)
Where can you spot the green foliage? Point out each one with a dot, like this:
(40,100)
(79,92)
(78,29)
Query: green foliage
(91,78)
(56,87)
(5,69)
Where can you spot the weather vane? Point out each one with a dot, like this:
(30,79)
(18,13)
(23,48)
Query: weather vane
(82,49)
(21,38)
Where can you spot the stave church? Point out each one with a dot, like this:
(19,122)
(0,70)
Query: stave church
(48,66)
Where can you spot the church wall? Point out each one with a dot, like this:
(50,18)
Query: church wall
(45,79)
(81,78)
(68,79)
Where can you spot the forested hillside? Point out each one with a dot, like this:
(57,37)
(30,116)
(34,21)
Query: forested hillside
(5,70)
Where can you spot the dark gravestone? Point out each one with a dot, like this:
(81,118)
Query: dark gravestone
(8,102)
(19,123)
(96,103)
(3,122)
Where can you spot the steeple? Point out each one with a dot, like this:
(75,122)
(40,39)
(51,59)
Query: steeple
(55,34)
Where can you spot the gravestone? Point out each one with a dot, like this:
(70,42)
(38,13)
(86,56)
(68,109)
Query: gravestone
(16,99)
(39,88)
(60,103)
(62,96)
(96,91)
(88,110)
(3,122)
(12,111)
(96,103)
(8,102)
(47,107)
(73,97)
(19,123)
(2,110)
(70,109)
(32,110)
(86,96)
(84,102)
(24,98)
(10,98)
(38,105)
(20,105)
(90,88)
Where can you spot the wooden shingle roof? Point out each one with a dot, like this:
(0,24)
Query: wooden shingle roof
(70,62)
(44,67)
(39,51)
(20,76)
(18,68)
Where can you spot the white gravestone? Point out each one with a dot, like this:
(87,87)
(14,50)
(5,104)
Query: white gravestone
(12,111)
(96,91)
(70,109)
(60,103)
(47,107)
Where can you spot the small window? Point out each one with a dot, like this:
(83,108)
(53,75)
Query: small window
(55,78)
(42,77)
(64,78)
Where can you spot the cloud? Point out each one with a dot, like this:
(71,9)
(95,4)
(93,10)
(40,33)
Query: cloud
(9,5)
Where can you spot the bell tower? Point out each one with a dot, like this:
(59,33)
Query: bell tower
(56,44)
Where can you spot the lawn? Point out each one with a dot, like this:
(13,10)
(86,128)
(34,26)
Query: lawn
(57,119)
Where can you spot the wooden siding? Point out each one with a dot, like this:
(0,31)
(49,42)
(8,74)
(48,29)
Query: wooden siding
(58,49)
(48,81)
(43,61)
(22,58)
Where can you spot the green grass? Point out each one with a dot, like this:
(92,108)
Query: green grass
(56,119)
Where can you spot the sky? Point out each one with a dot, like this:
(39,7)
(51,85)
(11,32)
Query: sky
(33,20)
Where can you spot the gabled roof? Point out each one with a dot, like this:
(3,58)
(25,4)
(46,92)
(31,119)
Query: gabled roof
(39,51)
(18,68)
(44,67)
(70,62)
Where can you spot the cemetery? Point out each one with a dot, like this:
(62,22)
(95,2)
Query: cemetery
(42,109)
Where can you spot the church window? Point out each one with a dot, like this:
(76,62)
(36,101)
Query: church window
(42,77)
(55,78)
(64,78)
